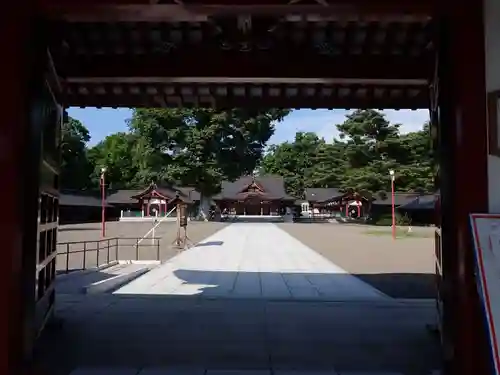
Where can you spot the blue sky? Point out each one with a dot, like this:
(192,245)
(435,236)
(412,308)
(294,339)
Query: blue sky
(106,121)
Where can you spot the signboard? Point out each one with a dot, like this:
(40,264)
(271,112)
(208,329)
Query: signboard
(486,234)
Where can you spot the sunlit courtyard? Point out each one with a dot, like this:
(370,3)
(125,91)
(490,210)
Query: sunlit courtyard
(262,297)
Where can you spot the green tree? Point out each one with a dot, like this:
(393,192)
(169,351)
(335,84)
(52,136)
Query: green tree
(374,146)
(294,161)
(75,164)
(368,148)
(329,165)
(416,170)
(118,154)
(201,147)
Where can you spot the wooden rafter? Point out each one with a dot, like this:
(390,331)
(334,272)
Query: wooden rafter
(145,10)
(272,65)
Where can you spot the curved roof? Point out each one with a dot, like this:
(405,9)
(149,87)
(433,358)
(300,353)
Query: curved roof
(269,187)
(423,202)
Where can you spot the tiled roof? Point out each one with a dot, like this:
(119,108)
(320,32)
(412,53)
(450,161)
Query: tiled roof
(423,202)
(82,199)
(123,196)
(273,186)
(322,194)
(168,191)
(399,198)
(188,194)
(325,194)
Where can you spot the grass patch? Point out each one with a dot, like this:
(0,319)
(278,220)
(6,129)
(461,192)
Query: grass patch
(400,233)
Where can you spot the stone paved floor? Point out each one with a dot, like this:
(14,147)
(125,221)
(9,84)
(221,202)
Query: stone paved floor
(345,326)
(157,331)
(252,260)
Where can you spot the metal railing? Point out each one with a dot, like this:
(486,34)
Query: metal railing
(82,255)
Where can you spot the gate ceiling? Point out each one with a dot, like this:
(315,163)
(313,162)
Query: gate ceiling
(230,56)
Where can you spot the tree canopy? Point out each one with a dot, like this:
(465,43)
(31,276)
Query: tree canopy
(75,165)
(367,148)
(192,147)
(202,147)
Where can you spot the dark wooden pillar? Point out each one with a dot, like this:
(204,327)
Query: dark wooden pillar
(19,166)
(463,178)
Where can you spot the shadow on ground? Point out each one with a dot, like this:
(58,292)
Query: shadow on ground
(139,330)
(395,285)
(210,243)
(74,282)
(77,228)
(403,285)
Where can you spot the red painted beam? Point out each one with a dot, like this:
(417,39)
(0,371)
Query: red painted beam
(201,62)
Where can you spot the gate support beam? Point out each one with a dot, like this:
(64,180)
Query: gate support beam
(464,180)
(19,170)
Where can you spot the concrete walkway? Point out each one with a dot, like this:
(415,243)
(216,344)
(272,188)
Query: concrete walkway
(253,260)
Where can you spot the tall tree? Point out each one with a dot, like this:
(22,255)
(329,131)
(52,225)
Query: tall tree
(201,147)
(118,154)
(294,161)
(328,166)
(373,147)
(75,165)
(368,148)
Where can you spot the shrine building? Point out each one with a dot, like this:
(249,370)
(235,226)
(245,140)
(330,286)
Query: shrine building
(254,196)
(153,201)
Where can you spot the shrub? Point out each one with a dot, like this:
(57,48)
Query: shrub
(403,220)
(383,220)
(386,220)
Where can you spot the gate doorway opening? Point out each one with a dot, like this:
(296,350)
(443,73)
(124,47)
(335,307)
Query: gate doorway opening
(76,54)
(253,295)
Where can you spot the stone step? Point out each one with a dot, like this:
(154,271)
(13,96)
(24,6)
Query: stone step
(100,280)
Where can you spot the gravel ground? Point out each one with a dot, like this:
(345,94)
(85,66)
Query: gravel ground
(402,269)
(99,251)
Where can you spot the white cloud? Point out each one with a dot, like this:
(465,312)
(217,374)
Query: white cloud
(322,122)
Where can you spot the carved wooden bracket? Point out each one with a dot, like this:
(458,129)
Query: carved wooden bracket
(494,123)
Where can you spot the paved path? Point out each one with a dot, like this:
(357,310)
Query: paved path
(144,332)
(253,260)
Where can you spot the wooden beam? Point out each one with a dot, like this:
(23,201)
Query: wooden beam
(145,11)
(314,102)
(199,62)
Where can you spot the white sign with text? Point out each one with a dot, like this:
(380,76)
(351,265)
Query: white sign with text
(486,233)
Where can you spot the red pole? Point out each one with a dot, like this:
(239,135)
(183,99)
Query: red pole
(393,211)
(103,205)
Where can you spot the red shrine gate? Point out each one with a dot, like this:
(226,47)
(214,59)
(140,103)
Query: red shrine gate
(249,53)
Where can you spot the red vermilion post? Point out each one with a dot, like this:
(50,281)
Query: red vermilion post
(464,126)
(393,206)
(103,202)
